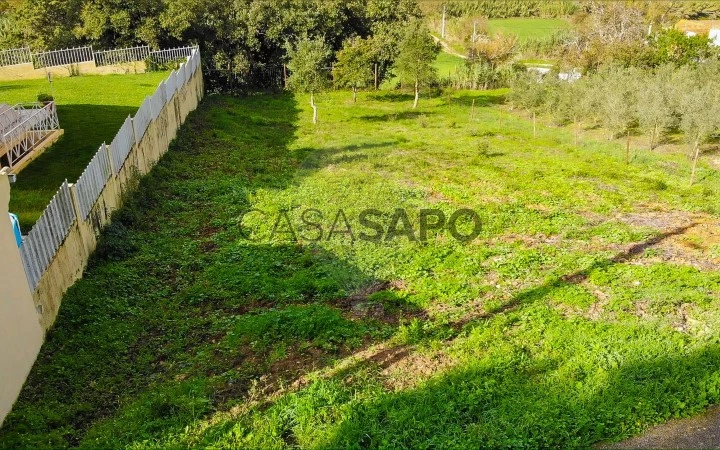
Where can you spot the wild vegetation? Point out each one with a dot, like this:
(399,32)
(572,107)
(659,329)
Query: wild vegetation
(585,311)
(233,303)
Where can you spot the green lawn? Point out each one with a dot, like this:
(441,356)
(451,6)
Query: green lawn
(526,28)
(91,109)
(582,313)
(447,64)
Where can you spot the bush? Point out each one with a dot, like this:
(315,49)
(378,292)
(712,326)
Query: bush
(44,97)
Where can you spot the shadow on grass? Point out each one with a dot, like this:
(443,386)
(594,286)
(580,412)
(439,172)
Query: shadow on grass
(178,314)
(391,117)
(391,96)
(86,128)
(467,407)
(482,98)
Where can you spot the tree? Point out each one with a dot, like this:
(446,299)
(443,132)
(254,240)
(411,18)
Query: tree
(354,65)
(417,54)
(495,51)
(673,46)
(618,88)
(530,93)
(654,105)
(308,62)
(700,109)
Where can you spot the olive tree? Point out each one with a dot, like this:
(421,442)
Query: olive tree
(308,68)
(655,110)
(417,53)
(700,118)
(529,93)
(353,67)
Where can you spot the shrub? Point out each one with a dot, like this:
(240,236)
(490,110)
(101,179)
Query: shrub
(44,97)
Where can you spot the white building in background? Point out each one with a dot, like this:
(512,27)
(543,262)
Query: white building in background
(714,35)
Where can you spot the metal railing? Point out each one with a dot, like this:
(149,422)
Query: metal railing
(35,123)
(171,54)
(15,56)
(64,57)
(121,55)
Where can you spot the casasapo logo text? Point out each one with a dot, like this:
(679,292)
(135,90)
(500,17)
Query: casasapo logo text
(371,225)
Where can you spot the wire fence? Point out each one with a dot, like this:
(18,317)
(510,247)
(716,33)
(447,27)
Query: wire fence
(121,55)
(47,235)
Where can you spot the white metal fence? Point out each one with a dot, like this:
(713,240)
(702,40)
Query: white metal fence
(62,57)
(121,55)
(78,55)
(93,180)
(142,118)
(47,235)
(172,54)
(15,56)
(122,144)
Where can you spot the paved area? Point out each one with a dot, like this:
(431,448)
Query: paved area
(701,431)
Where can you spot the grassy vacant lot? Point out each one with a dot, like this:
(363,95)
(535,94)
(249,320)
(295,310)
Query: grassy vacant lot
(91,110)
(526,28)
(586,310)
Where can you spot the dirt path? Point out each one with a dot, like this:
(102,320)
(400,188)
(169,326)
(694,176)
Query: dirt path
(447,49)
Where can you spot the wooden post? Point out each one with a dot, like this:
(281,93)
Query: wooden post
(472,110)
(376,77)
(442,29)
(284,76)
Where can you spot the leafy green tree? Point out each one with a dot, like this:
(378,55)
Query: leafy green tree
(308,62)
(42,25)
(354,66)
(416,56)
(672,46)
(109,23)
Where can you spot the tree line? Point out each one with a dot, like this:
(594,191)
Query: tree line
(628,100)
(238,38)
(309,60)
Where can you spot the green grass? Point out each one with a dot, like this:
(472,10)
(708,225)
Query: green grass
(91,109)
(447,64)
(549,330)
(526,28)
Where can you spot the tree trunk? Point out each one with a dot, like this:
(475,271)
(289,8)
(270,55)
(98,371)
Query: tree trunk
(695,160)
(576,130)
(354,94)
(314,107)
(417,94)
(534,126)
(376,76)
(472,110)
(627,148)
(652,137)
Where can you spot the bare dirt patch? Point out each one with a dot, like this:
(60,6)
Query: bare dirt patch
(694,244)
